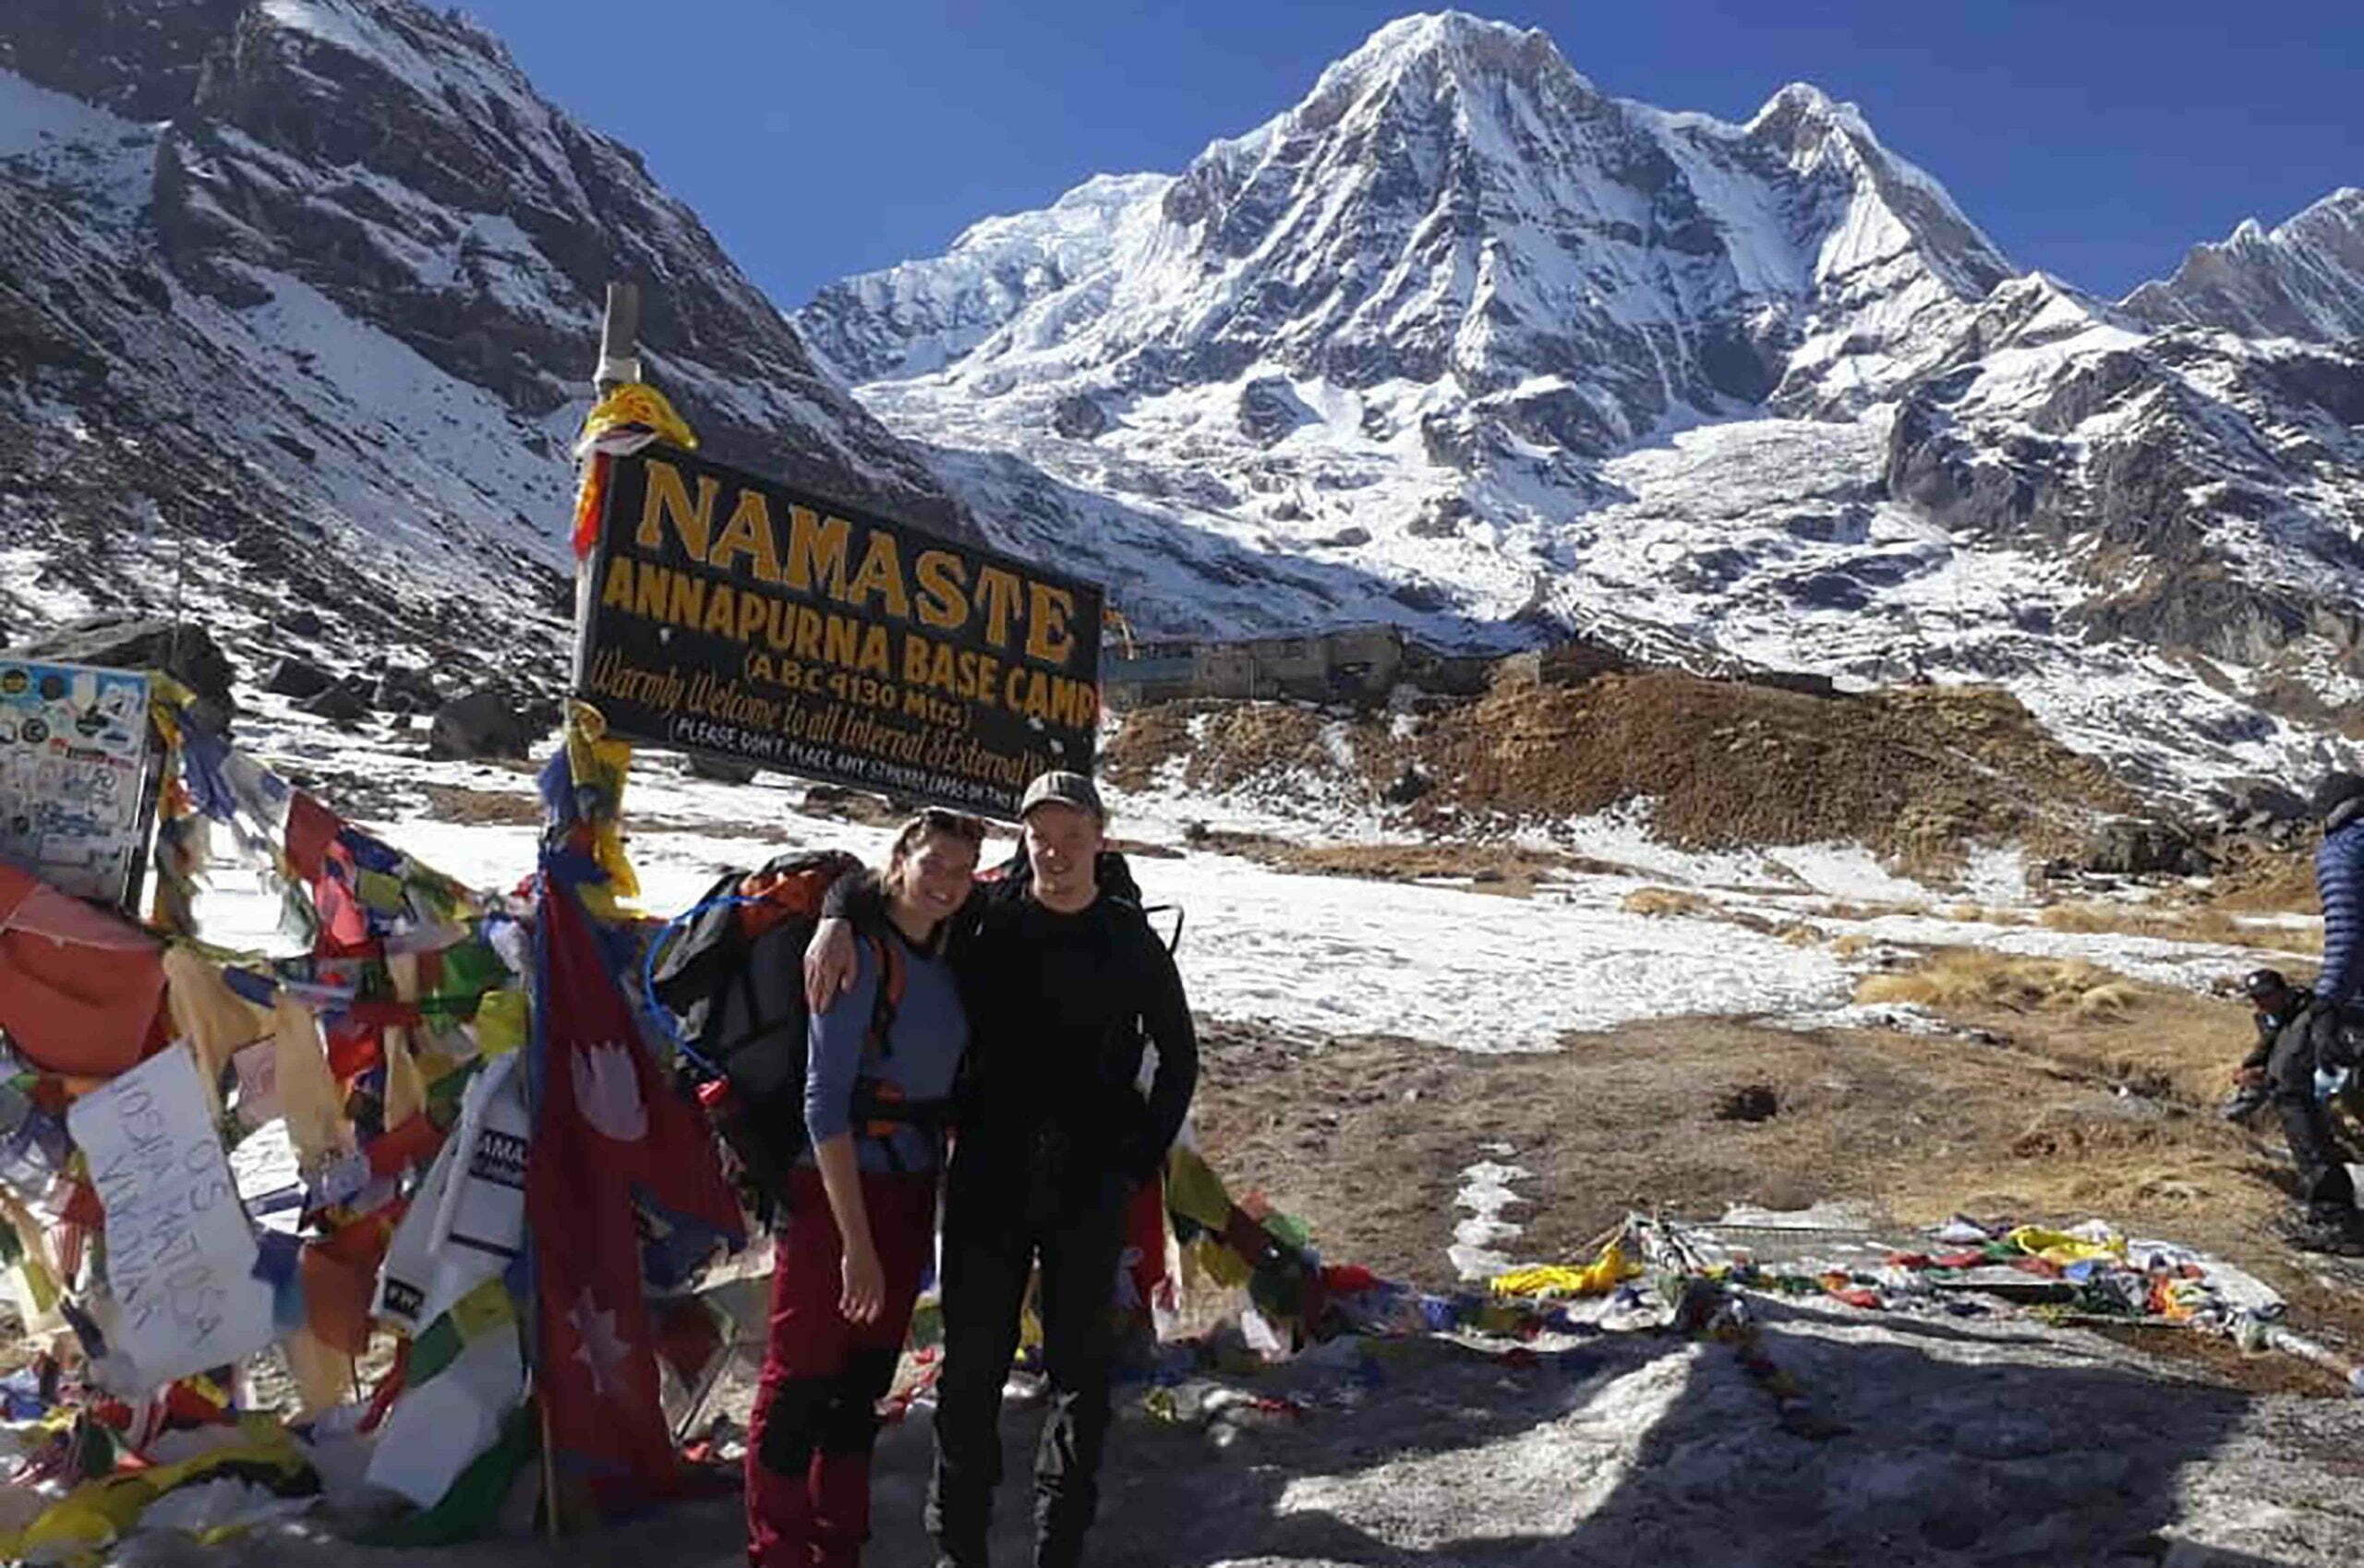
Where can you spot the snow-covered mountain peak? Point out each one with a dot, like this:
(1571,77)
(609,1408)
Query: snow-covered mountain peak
(1459,336)
(1453,203)
(1453,43)
(2302,279)
(1458,340)
(1801,115)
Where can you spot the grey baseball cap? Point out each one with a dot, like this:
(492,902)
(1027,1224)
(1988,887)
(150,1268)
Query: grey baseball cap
(1067,788)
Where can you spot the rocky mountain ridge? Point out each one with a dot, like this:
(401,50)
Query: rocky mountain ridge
(294,325)
(303,318)
(1485,343)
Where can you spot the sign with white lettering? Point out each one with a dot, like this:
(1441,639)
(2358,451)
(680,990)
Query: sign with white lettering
(180,1253)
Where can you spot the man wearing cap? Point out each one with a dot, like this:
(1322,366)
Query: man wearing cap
(2274,1002)
(2325,1036)
(1064,982)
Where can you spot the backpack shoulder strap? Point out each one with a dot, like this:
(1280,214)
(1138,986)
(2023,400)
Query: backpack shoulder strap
(888,954)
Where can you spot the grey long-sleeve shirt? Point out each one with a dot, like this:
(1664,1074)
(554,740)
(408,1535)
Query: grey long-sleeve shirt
(929,1032)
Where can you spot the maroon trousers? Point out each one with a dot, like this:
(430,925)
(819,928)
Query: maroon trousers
(817,1407)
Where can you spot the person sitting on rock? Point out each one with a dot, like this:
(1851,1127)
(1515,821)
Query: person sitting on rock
(2325,1036)
(2274,1002)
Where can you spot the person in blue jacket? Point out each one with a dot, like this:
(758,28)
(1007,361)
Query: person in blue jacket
(2324,1037)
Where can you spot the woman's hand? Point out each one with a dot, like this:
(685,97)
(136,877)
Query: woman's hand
(866,1284)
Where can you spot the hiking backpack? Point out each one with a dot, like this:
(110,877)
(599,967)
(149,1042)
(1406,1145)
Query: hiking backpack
(731,970)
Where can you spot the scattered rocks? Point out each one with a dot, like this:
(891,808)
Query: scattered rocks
(485,725)
(1409,785)
(346,702)
(2253,806)
(720,770)
(297,679)
(1441,518)
(2142,847)
(403,690)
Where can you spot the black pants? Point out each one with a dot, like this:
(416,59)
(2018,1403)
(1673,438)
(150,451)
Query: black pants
(1000,1215)
(2323,1182)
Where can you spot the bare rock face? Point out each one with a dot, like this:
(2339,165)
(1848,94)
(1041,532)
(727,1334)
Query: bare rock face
(1270,409)
(320,282)
(298,679)
(1079,418)
(2131,847)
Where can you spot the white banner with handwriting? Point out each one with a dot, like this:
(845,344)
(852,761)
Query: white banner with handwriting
(180,1252)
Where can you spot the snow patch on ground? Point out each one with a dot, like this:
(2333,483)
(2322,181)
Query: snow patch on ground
(1846,871)
(1486,1193)
(1328,955)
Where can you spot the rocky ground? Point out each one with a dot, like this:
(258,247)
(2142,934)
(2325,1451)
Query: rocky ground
(1938,1441)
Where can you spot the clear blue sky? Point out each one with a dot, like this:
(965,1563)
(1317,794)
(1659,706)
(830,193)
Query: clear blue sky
(2095,139)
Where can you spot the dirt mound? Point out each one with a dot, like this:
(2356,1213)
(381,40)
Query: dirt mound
(1223,747)
(1917,773)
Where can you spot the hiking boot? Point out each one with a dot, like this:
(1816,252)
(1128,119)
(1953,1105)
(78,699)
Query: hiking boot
(2338,1233)
(2245,1104)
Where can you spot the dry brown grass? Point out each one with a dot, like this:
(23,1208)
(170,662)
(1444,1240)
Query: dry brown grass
(2261,880)
(1663,901)
(2046,1116)
(1504,869)
(458,803)
(1981,914)
(1491,868)
(2179,923)
(1366,1139)
(1968,977)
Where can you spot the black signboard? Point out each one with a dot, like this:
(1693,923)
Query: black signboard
(738,618)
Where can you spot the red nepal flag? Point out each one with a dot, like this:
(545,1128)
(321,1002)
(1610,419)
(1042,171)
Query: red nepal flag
(609,1130)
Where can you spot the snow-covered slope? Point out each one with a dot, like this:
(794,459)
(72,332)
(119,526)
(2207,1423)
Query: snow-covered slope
(1461,338)
(297,301)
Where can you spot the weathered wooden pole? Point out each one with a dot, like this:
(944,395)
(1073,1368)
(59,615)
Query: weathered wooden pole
(618,364)
(619,339)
